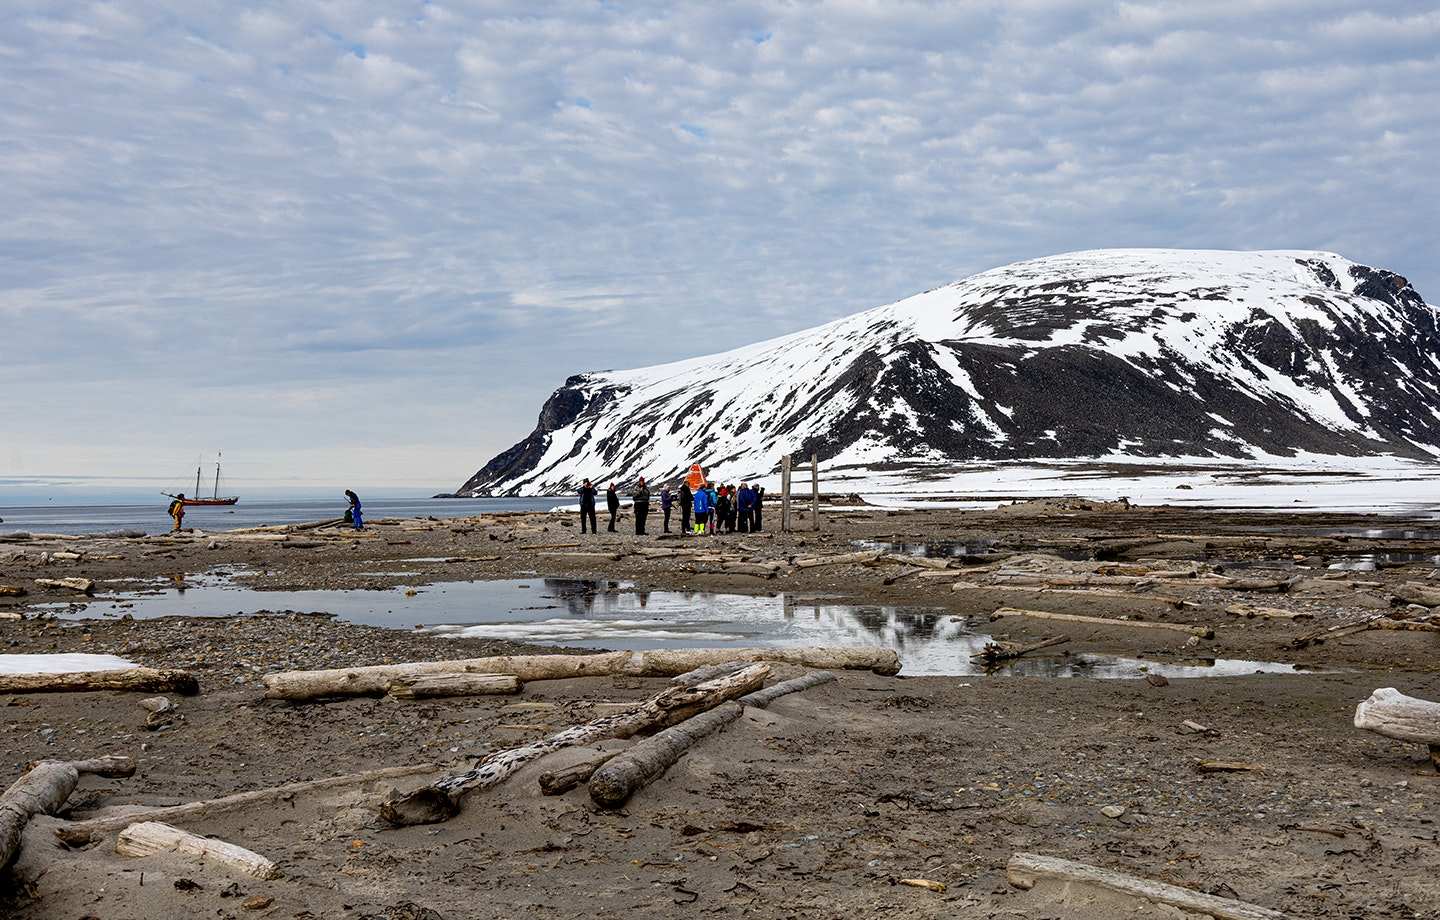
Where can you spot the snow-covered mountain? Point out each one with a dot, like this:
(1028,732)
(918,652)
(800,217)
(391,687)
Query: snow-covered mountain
(1101,354)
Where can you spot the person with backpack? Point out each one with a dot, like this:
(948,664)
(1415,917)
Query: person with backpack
(177,511)
(352,514)
(702,508)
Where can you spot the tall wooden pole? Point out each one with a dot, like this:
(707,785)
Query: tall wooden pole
(785,494)
(814,492)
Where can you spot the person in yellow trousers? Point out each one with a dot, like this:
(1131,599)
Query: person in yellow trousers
(177,511)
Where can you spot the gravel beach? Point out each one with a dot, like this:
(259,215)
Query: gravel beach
(832,802)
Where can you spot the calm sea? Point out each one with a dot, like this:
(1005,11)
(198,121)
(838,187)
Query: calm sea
(152,518)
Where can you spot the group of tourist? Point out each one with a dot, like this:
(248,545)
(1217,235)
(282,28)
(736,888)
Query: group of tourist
(713,509)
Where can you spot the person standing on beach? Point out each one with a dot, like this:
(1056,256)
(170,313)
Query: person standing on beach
(759,507)
(612,502)
(666,500)
(745,507)
(642,506)
(702,508)
(355,520)
(686,506)
(177,511)
(587,507)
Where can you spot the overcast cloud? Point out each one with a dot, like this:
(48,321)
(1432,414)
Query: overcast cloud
(360,243)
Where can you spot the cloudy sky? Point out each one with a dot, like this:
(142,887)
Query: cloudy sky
(359,243)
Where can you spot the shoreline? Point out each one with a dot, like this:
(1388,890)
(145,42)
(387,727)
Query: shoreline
(817,806)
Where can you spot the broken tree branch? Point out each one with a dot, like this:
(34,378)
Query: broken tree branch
(1025,869)
(1203,632)
(78,833)
(999,651)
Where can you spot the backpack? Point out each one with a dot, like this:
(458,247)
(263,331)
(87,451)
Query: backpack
(173,506)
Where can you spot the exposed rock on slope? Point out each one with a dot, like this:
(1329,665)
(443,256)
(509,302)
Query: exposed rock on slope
(1110,353)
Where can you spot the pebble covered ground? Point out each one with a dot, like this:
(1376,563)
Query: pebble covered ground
(817,807)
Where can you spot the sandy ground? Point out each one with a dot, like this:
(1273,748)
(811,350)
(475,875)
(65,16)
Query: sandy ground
(816,807)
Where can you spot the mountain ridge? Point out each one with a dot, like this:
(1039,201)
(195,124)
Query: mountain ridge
(1098,354)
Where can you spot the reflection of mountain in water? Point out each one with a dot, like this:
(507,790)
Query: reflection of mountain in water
(914,634)
(584,597)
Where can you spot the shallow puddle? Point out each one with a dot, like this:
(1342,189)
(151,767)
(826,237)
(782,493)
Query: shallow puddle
(602,614)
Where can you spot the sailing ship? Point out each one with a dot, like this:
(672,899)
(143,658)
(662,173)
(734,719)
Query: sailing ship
(215,498)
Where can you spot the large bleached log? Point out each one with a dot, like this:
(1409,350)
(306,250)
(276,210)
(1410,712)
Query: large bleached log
(1025,869)
(1203,632)
(613,783)
(44,790)
(78,833)
(373,680)
(1391,713)
(151,837)
(433,685)
(441,799)
(145,680)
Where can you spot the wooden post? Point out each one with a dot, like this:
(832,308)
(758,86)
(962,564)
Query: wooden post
(785,494)
(787,467)
(814,492)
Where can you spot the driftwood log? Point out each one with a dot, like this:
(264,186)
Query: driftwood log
(1391,713)
(79,833)
(44,790)
(145,680)
(433,685)
(613,783)
(373,680)
(1203,632)
(559,782)
(1026,869)
(1000,651)
(1411,593)
(80,585)
(151,837)
(807,562)
(441,799)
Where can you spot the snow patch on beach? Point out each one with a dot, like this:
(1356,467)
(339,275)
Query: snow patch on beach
(61,664)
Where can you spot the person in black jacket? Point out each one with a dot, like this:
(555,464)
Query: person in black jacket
(642,506)
(686,502)
(612,502)
(587,507)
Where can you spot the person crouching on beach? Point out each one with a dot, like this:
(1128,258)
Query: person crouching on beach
(355,520)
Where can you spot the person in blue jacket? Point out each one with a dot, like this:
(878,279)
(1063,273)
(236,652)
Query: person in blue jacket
(702,508)
(354,513)
(745,507)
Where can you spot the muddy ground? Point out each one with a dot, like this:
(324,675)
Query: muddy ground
(816,807)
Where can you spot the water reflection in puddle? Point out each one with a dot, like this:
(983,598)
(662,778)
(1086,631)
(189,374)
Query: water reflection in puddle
(617,615)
